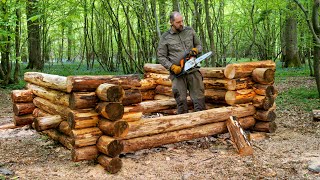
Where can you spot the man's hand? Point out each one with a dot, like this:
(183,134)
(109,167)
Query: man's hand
(193,52)
(175,68)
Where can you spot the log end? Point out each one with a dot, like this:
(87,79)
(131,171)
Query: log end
(230,97)
(269,76)
(115,148)
(111,165)
(230,71)
(114,111)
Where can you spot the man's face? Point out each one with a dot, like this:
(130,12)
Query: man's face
(177,24)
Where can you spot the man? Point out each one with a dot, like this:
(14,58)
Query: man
(180,42)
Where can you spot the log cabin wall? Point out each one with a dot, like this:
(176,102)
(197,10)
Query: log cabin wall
(99,117)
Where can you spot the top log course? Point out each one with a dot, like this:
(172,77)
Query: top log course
(240,70)
(207,72)
(91,83)
(22,96)
(47,80)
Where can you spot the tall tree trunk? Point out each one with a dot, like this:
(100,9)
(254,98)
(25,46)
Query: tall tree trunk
(316,54)
(291,39)
(17,44)
(175,5)
(210,32)
(34,41)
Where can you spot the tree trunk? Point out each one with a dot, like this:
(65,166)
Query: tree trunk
(112,165)
(83,100)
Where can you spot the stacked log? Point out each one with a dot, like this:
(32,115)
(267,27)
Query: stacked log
(22,107)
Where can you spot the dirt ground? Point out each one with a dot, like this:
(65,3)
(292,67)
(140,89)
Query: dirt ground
(285,155)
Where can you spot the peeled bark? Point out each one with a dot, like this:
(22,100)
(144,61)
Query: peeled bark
(269,127)
(161,79)
(110,92)
(147,84)
(91,83)
(23,120)
(215,83)
(245,69)
(111,110)
(263,75)
(84,153)
(85,137)
(40,113)
(244,83)
(155,68)
(51,108)
(148,95)
(112,165)
(83,100)
(263,102)
(21,96)
(47,122)
(114,129)
(238,137)
(163,124)
(164,90)
(132,96)
(212,72)
(109,146)
(162,97)
(23,108)
(65,128)
(239,96)
(47,80)
(83,118)
(57,97)
(215,96)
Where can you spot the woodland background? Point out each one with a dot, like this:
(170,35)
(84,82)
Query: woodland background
(120,36)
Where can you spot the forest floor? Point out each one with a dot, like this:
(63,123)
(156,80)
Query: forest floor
(287,154)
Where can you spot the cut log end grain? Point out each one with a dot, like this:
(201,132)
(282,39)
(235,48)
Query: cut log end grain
(269,127)
(110,92)
(23,108)
(263,75)
(111,111)
(261,115)
(109,146)
(115,129)
(111,165)
(21,96)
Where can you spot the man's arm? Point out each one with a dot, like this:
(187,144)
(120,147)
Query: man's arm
(162,53)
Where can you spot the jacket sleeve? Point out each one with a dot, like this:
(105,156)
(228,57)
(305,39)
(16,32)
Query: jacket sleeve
(162,53)
(196,41)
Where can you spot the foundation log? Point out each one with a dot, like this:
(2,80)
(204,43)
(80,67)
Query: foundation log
(23,119)
(23,108)
(83,118)
(85,137)
(262,115)
(263,102)
(269,127)
(64,128)
(111,165)
(115,129)
(47,122)
(51,108)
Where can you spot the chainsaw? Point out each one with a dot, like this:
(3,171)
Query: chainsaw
(188,64)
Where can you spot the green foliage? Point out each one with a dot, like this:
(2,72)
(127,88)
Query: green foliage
(302,98)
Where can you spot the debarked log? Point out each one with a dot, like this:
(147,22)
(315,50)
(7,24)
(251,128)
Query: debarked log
(163,124)
(263,75)
(51,108)
(245,69)
(57,97)
(47,80)
(164,90)
(110,92)
(83,100)
(91,83)
(115,129)
(47,122)
(109,146)
(239,96)
(23,119)
(215,83)
(83,118)
(269,127)
(132,96)
(23,108)
(111,165)
(146,142)
(85,137)
(21,96)
(110,110)
(263,102)
(84,153)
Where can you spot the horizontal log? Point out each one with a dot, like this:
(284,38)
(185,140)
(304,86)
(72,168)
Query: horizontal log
(23,108)
(84,153)
(215,83)
(40,113)
(147,84)
(264,90)
(109,146)
(111,110)
(66,141)
(91,83)
(162,97)
(83,100)
(21,96)
(155,68)
(132,96)
(47,122)
(240,96)
(111,165)
(115,129)
(23,119)
(148,95)
(212,72)
(52,133)
(57,97)
(110,92)
(263,75)
(83,118)
(146,142)
(244,83)
(85,137)
(65,128)
(269,127)
(164,90)
(263,102)
(160,79)
(47,80)
(132,116)
(51,108)
(263,115)
(163,124)
(215,95)
(245,69)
